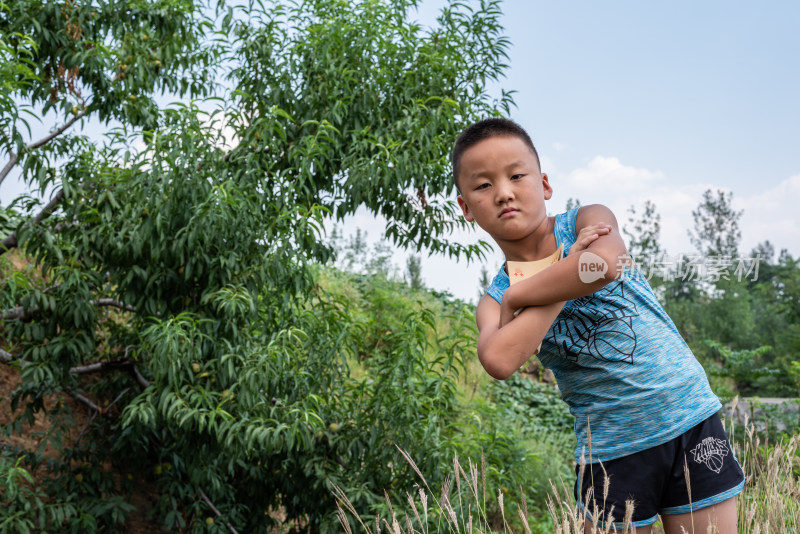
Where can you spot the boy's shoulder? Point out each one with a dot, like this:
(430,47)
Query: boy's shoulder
(592,213)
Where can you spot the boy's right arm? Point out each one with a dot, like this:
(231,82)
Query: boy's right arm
(502,351)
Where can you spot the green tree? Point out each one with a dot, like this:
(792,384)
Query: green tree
(180,277)
(643,230)
(765,251)
(105,62)
(572,203)
(716,225)
(414,272)
(17,73)
(351,252)
(692,284)
(775,298)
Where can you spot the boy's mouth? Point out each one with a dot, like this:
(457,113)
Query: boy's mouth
(508,212)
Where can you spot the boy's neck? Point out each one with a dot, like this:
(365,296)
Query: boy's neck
(539,245)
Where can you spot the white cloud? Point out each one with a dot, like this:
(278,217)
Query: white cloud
(608,181)
(604,174)
(559,147)
(772,215)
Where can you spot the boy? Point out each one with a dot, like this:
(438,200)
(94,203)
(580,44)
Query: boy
(641,401)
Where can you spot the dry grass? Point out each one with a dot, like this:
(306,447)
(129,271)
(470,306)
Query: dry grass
(461,506)
(568,518)
(770,503)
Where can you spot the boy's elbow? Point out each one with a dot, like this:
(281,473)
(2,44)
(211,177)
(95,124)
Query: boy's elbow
(502,376)
(497,367)
(498,373)
(616,263)
(611,274)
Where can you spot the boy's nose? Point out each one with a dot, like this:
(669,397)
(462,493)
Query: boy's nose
(503,193)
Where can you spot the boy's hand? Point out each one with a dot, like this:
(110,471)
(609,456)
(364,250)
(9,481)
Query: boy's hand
(506,314)
(588,235)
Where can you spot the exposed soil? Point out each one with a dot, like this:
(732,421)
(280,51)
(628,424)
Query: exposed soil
(144,495)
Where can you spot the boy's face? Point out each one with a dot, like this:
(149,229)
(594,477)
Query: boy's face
(502,188)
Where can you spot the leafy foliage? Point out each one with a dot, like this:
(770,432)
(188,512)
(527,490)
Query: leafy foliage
(176,328)
(745,367)
(109,58)
(177,295)
(535,406)
(643,232)
(743,329)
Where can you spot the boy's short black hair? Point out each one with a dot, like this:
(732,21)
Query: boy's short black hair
(485,129)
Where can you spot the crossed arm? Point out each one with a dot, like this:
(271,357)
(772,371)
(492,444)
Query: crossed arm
(505,344)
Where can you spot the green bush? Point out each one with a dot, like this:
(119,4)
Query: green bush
(176,296)
(535,406)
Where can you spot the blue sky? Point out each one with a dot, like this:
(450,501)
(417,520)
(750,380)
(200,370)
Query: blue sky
(628,101)
(702,91)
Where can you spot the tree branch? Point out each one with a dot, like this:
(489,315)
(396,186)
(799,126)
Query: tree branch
(99,367)
(126,364)
(48,209)
(85,426)
(105,412)
(8,243)
(139,378)
(12,160)
(87,402)
(55,133)
(14,157)
(19,312)
(214,509)
(115,303)
(11,240)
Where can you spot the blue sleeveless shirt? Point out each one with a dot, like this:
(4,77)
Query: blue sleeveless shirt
(629,378)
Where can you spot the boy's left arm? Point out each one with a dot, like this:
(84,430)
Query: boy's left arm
(578,274)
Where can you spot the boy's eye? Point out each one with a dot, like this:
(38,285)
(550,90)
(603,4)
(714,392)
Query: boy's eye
(482,186)
(517,176)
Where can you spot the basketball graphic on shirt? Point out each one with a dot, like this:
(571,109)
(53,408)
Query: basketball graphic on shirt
(613,340)
(597,325)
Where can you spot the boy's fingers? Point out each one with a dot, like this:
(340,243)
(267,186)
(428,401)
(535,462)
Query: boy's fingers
(590,233)
(597,227)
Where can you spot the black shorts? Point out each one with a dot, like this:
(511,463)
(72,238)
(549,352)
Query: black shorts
(654,478)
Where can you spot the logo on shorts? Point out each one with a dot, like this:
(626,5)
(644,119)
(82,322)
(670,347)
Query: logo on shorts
(711,451)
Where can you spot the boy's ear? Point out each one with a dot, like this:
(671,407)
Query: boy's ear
(548,191)
(465,209)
